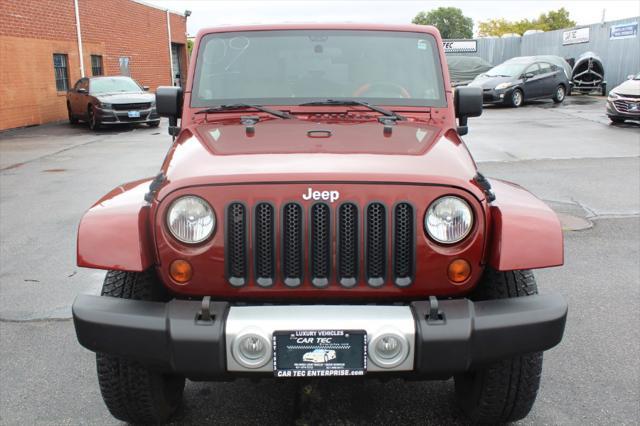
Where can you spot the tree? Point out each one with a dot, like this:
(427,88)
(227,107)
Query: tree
(448,20)
(553,20)
(556,20)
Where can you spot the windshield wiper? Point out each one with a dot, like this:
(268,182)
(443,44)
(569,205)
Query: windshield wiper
(232,107)
(353,102)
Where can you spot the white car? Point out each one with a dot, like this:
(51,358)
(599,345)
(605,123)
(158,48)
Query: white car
(319,355)
(623,102)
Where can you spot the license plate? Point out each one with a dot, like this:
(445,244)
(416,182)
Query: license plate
(319,353)
(134,114)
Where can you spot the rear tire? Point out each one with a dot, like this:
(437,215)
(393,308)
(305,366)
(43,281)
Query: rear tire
(615,119)
(132,392)
(506,390)
(516,99)
(559,94)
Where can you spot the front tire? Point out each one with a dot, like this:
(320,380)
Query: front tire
(94,123)
(153,124)
(559,94)
(617,120)
(516,99)
(506,390)
(131,391)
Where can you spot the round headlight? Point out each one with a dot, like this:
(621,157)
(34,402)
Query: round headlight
(191,219)
(448,220)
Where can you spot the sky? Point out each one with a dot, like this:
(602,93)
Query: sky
(209,13)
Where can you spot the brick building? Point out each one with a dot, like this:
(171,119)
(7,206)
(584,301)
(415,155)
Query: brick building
(40,41)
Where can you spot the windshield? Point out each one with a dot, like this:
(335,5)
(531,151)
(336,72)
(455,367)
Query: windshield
(115,84)
(506,70)
(298,66)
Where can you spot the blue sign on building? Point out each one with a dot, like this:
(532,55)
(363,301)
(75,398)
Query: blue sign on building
(629,30)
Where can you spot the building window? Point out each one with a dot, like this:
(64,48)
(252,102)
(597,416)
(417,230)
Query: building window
(124,66)
(96,65)
(61,68)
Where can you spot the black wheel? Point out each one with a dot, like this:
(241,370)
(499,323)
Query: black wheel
(504,391)
(559,94)
(72,118)
(132,392)
(516,99)
(615,119)
(94,123)
(153,123)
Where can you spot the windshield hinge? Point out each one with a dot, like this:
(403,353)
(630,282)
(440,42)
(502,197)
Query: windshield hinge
(154,186)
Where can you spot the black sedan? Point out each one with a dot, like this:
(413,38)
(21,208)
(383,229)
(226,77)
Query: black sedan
(521,79)
(111,100)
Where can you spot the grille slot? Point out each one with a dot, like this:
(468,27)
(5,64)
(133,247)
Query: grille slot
(348,245)
(264,245)
(403,245)
(292,245)
(236,245)
(376,244)
(320,244)
(136,106)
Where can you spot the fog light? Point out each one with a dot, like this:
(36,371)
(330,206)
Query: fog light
(251,350)
(388,347)
(181,271)
(388,350)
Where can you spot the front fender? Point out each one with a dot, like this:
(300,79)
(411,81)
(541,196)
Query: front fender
(525,232)
(115,232)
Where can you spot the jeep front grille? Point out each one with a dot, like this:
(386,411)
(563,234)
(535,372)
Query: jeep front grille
(308,234)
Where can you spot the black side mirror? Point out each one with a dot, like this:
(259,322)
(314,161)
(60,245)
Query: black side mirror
(169,104)
(145,88)
(468,103)
(81,90)
(528,75)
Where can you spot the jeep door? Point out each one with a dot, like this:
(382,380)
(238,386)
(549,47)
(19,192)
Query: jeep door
(79,97)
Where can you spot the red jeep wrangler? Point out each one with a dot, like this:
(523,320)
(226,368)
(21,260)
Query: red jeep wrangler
(318,215)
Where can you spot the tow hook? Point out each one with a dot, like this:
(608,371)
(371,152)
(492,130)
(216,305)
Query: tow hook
(435,315)
(206,314)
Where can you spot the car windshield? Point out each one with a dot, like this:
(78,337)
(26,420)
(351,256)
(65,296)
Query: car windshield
(299,66)
(506,70)
(115,84)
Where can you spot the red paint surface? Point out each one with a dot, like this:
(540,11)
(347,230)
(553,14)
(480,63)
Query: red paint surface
(114,233)
(526,232)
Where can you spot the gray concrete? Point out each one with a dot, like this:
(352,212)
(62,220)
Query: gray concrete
(568,155)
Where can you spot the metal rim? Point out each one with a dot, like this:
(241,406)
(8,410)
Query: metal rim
(560,93)
(517,98)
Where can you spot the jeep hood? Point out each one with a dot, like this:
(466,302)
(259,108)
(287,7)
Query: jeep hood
(284,151)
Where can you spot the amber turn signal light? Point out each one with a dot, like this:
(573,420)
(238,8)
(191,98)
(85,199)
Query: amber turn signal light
(459,271)
(181,271)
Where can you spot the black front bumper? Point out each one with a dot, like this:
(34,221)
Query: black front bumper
(463,336)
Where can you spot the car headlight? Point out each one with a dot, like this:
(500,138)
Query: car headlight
(191,219)
(153,104)
(503,85)
(613,95)
(105,105)
(448,220)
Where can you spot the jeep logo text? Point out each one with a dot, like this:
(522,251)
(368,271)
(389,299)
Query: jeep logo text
(321,195)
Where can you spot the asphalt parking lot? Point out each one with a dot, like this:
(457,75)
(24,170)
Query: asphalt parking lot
(569,155)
